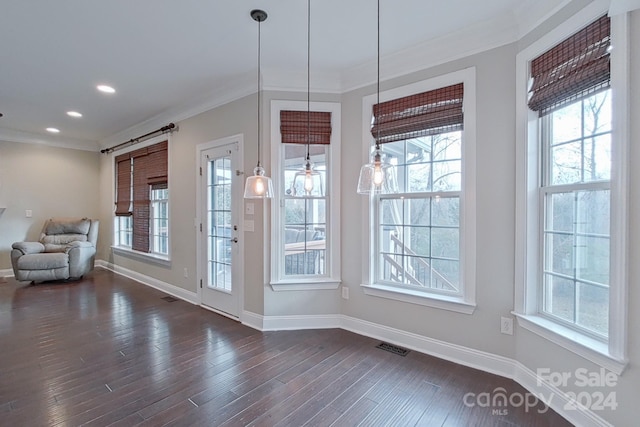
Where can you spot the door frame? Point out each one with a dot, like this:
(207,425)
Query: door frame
(238,195)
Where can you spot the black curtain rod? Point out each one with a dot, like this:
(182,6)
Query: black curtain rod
(164,129)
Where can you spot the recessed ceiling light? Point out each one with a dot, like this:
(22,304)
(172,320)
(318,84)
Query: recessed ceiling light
(53,130)
(74,114)
(106,89)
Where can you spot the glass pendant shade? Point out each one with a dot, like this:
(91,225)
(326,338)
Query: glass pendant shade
(377,176)
(307,182)
(258,186)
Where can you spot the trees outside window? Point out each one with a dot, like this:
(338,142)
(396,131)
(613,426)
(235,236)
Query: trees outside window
(575,239)
(419,227)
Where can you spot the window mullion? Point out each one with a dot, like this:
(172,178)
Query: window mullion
(582,147)
(575,257)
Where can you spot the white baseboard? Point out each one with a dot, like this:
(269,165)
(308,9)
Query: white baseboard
(557,399)
(252,320)
(6,273)
(284,323)
(488,362)
(455,353)
(168,288)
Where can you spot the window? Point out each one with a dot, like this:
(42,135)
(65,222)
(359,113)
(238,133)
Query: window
(575,209)
(160,220)
(570,214)
(124,231)
(306,224)
(419,227)
(142,214)
(422,238)
(305,198)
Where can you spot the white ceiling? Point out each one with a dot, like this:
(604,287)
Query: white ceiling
(169,58)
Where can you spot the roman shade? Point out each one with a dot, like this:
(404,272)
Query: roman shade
(138,172)
(428,113)
(123,185)
(573,69)
(300,127)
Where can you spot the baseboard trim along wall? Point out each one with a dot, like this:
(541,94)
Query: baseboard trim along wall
(172,290)
(558,400)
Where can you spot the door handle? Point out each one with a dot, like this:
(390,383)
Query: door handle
(234,240)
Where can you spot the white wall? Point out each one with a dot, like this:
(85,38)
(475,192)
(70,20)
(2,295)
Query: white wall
(237,117)
(495,81)
(49,181)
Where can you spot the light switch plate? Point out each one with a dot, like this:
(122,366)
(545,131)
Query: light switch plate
(248,225)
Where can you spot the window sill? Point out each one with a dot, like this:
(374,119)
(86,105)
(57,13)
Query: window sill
(443,302)
(590,348)
(305,285)
(141,256)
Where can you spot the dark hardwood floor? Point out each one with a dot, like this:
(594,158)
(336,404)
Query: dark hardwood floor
(107,351)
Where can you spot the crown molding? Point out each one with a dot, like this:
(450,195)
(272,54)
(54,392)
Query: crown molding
(11,135)
(231,90)
(292,81)
(496,32)
(532,13)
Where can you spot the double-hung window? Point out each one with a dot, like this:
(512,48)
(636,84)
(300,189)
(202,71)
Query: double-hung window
(142,193)
(566,240)
(575,205)
(420,238)
(305,240)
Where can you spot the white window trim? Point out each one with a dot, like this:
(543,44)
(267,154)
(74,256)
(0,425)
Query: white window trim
(141,256)
(126,251)
(611,355)
(152,230)
(332,279)
(465,303)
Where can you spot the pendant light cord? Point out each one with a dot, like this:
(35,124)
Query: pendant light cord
(378,84)
(258,85)
(308,78)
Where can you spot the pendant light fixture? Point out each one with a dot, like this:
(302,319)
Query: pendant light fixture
(377,176)
(258,186)
(308,179)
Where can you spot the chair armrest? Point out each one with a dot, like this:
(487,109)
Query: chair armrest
(28,247)
(78,244)
(81,258)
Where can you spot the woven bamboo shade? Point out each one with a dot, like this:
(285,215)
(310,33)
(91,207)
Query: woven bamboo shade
(150,170)
(428,113)
(573,69)
(123,185)
(295,128)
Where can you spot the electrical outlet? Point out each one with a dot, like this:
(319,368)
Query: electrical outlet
(345,292)
(248,209)
(186,273)
(28,213)
(506,325)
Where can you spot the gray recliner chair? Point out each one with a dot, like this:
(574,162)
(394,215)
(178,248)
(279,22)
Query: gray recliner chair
(66,250)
